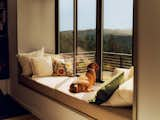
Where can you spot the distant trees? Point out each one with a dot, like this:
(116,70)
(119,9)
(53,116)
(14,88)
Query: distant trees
(114,41)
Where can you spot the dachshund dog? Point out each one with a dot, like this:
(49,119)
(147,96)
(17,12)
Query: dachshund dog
(81,85)
(91,73)
(85,83)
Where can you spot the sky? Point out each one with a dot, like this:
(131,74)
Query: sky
(118,14)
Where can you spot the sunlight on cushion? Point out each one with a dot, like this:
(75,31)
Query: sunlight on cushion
(52,82)
(42,66)
(123,96)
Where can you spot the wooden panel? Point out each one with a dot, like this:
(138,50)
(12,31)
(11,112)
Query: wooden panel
(24,117)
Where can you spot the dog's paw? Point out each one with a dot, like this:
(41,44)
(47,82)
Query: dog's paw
(90,90)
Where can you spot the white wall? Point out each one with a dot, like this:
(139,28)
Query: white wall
(148,59)
(35,25)
(27,34)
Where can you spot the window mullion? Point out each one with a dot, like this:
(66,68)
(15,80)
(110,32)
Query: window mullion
(75,18)
(57,40)
(99,38)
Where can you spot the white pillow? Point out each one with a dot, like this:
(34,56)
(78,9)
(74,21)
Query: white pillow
(42,66)
(128,73)
(24,60)
(123,96)
(54,56)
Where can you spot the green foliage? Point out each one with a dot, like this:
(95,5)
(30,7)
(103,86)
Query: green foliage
(113,41)
(66,41)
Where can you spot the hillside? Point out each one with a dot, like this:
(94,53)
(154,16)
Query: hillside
(114,41)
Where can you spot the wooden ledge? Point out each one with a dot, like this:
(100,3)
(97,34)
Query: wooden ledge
(91,110)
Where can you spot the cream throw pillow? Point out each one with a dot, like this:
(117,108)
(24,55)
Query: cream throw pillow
(128,73)
(24,60)
(123,96)
(42,66)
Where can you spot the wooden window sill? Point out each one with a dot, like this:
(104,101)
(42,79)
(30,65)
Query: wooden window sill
(91,110)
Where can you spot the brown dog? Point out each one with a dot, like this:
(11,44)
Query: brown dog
(79,86)
(86,82)
(91,73)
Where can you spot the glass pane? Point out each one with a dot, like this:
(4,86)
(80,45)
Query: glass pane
(86,43)
(117,39)
(66,31)
(66,26)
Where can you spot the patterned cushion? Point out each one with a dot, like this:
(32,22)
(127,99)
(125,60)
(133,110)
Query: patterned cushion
(62,67)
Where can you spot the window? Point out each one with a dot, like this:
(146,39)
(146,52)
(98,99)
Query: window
(97,30)
(117,34)
(86,41)
(85,16)
(86,33)
(79,27)
(66,26)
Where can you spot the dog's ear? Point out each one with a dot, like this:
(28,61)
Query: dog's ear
(97,66)
(89,66)
(93,65)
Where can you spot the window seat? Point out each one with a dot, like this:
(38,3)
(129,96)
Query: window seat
(56,88)
(62,84)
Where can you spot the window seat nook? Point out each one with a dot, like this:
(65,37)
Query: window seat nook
(57,89)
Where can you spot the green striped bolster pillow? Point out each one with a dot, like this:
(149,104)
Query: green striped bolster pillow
(107,89)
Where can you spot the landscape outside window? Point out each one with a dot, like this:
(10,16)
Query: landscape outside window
(86,36)
(117,32)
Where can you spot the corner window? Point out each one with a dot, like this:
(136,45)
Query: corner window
(84,25)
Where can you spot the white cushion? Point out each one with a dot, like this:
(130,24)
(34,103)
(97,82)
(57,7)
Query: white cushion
(123,96)
(42,66)
(128,73)
(54,57)
(24,60)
